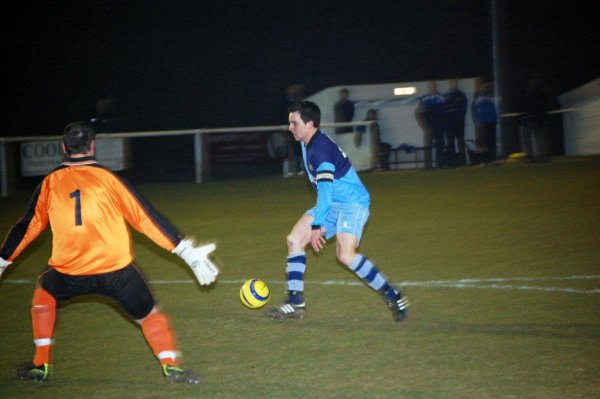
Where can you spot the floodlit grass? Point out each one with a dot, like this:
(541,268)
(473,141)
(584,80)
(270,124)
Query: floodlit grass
(526,324)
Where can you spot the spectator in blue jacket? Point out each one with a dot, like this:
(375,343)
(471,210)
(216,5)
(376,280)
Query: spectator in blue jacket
(429,115)
(485,117)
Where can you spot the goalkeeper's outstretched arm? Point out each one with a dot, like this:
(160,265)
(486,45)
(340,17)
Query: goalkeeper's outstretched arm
(196,256)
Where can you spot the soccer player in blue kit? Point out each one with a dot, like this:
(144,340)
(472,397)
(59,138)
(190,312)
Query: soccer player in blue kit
(342,210)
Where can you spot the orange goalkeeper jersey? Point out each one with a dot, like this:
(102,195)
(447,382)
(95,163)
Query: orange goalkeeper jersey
(88,208)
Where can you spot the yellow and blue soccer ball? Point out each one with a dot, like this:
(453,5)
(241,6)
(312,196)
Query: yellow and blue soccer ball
(255,293)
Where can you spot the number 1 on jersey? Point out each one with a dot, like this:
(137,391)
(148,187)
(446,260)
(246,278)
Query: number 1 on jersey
(77,195)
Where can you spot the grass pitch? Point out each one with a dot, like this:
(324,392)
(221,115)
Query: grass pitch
(502,266)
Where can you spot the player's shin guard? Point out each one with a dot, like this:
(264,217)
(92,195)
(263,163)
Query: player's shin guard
(296,266)
(43,320)
(160,337)
(368,273)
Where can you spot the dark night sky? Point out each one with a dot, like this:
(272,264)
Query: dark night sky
(181,65)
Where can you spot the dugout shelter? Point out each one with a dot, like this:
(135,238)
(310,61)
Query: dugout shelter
(395,104)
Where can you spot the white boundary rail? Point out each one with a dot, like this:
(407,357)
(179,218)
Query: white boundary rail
(198,150)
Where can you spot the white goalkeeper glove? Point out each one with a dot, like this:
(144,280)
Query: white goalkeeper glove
(3,265)
(197,259)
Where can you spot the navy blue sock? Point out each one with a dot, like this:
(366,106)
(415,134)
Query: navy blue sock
(296,266)
(370,275)
(296,297)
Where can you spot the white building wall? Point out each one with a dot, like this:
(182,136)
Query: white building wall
(582,123)
(395,115)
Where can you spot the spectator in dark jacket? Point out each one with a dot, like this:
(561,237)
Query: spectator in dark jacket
(455,109)
(485,117)
(343,111)
(533,104)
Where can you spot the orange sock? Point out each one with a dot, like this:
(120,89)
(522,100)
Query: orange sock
(43,319)
(161,339)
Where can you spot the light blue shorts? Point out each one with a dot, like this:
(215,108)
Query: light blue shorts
(344,218)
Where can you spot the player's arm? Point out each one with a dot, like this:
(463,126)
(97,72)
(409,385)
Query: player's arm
(324,177)
(27,229)
(140,214)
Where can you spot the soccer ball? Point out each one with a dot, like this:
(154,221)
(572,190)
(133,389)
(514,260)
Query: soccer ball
(255,293)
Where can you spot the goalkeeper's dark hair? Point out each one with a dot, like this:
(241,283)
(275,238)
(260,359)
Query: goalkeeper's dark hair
(78,137)
(308,111)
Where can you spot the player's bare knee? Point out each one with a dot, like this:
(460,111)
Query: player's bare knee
(296,243)
(346,258)
(293,242)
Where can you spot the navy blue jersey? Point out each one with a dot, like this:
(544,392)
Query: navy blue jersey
(432,105)
(332,175)
(455,105)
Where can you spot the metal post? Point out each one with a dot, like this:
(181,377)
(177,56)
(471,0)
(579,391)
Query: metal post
(500,70)
(496,66)
(3,171)
(198,159)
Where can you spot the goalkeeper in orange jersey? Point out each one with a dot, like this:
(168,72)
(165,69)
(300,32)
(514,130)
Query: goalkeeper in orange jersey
(88,208)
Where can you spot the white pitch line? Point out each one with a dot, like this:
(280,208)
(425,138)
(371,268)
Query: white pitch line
(479,283)
(517,287)
(505,279)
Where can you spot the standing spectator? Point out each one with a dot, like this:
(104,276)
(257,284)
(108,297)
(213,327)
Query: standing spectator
(485,117)
(107,118)
(430,118)
(343,111)
(455,109)
(380,152)
(294,94)
(427,137)
(553,130)
(533,104)
(89,209)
